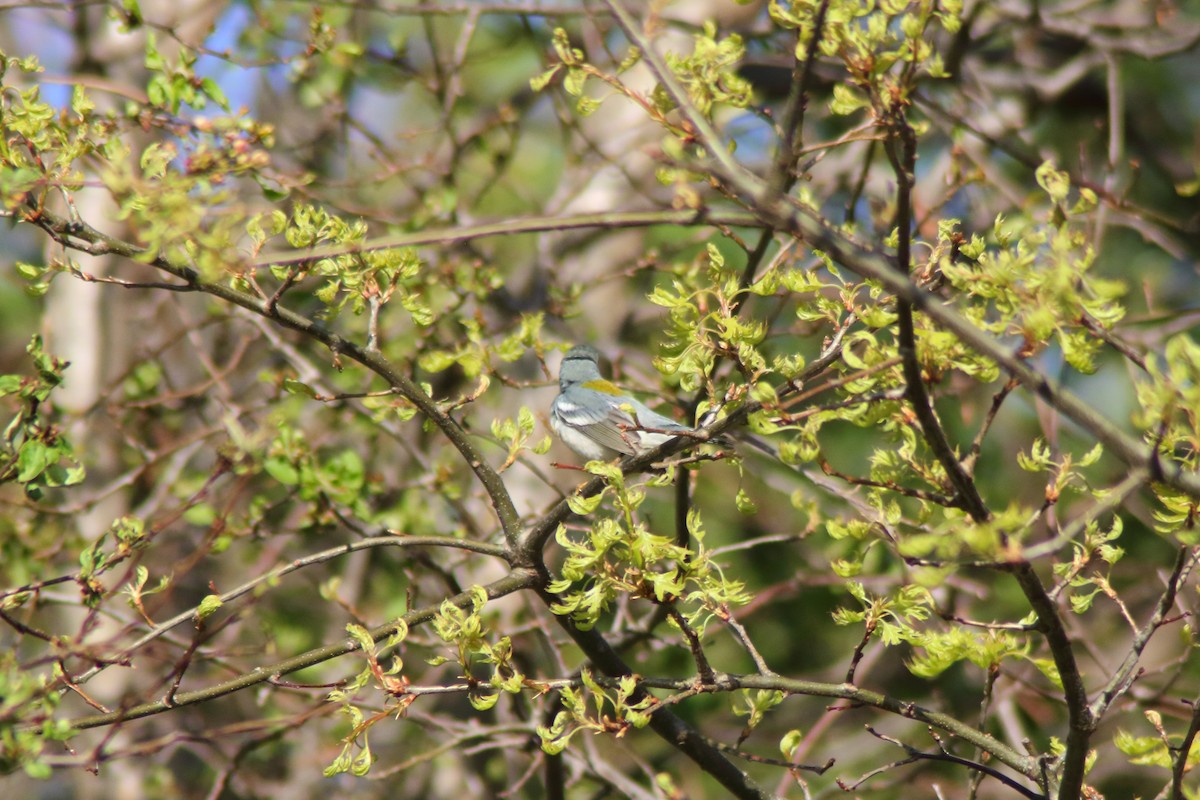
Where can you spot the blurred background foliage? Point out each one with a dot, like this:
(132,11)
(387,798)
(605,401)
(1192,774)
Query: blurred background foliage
(236,138)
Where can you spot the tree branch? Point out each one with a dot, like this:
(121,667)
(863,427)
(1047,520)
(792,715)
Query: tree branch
(69,234)
(901,149)
(784,213)
(1025,765)
(1123,678)
(1179,766)
(515,581)
(981,769)
(797,102)
(316,558)
(465,233)
(663,721)
(1079,719)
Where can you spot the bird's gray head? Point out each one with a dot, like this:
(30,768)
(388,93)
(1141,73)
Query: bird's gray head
(581,363)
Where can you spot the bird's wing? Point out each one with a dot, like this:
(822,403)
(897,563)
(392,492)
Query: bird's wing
(620,423)
(632,428)
(651,419)
(599,419)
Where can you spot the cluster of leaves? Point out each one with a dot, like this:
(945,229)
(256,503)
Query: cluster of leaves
(708,73)
(326,481)
(613,711)
(167,192)
(36,456)
(349,279)
(1158,750)
(355,757)
(474,649)
(619,557)
(34,452)
(29,697)
(35,153)
(884,48)
(1169,416)
(1035,282)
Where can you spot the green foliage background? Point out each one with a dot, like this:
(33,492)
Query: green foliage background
(291,522)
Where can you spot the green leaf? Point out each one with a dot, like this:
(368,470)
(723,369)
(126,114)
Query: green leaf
(586,106)
(539,82)
(790,741)
(584,505)
(479,597)
(208,606)
(32,460)
(282,470)
(436,360)
(1048,668)
(362,637)
(293,386)
(1056,183)
(607,470)
(361,764)
(574,82)
(846,100)
(483,702)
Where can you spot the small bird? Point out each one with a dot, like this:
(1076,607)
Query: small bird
(598,420)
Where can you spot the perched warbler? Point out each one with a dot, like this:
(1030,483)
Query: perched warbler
(597,419)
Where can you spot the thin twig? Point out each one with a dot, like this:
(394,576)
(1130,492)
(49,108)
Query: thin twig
(920,755)
(466,233)
(1179,766)
(300,563)
(739,633)
(1123,678)
(797,103)
(516,581)
(977,444)
(703,668)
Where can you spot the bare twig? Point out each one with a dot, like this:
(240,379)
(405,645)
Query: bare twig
(797,102)
(300,563)
(1179,766)
(465,233)
(514,582)
(977,444)
(1124,676)
(703,668)
(1024,764)
(915,755)
(739,632)
(856,658)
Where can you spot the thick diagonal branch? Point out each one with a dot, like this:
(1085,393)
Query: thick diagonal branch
(901,148)
(84,237)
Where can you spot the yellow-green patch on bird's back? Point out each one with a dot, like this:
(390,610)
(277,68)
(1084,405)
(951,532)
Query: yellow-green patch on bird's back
(607,387)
